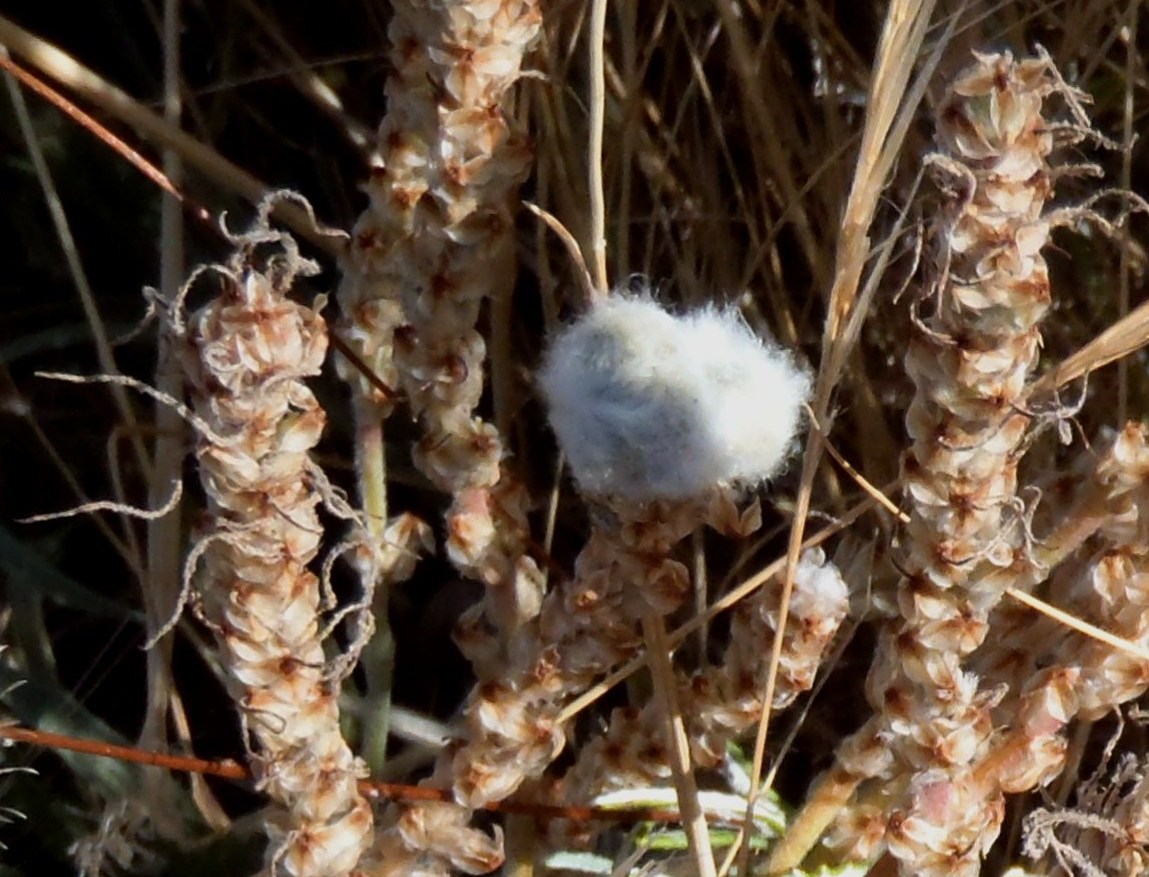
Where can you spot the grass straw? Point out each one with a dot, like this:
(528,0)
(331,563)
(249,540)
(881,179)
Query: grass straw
(665,683)
(902,38)
(596,36)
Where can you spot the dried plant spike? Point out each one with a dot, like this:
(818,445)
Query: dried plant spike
(648,405)
(1069,674)
(437,238)
(1117,582)
(586,627)
(436,242)
(724,701)
(971,357)
(247,355)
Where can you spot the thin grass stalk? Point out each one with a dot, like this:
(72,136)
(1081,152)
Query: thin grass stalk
(79,278)
(161,595)
(164,534)
(674,731)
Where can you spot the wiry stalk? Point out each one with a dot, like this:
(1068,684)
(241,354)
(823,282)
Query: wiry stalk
(247,353)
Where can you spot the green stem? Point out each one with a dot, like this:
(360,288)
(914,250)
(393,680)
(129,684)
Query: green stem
(378,660)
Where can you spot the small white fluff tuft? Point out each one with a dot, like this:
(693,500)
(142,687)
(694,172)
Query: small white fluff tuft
(647,405)
(820,592)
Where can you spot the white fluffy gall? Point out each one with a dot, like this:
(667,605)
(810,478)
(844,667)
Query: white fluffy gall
(648,405)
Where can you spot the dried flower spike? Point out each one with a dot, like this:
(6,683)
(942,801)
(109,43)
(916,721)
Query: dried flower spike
(929,751)
(648,405)
(722,701)
(436,243)
(970,359)
(247,354)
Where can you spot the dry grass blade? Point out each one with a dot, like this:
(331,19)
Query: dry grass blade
(904,30)
(1123,338)
(898,52)
(582,276)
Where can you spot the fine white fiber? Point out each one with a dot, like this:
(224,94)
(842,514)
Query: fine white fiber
(647,405)
(819,592)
